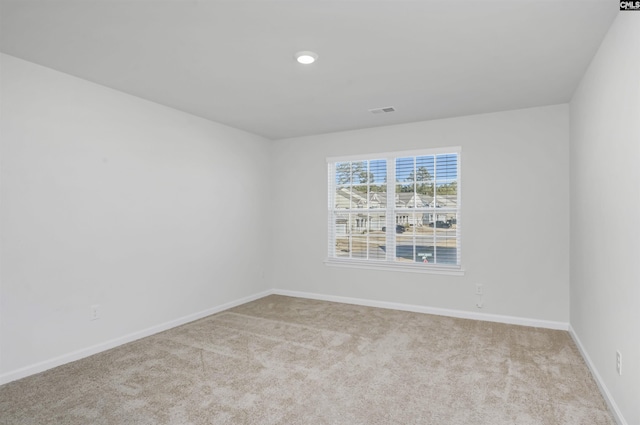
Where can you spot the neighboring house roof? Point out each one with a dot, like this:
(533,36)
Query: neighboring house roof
(347,198)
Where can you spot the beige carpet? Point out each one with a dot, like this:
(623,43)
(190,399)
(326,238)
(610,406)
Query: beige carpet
(282,360)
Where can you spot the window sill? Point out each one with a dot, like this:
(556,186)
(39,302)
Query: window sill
(395,266)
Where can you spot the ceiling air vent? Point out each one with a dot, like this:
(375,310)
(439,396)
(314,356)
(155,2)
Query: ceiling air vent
(382,110)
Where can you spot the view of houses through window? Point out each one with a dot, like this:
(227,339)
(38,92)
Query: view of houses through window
(397,208)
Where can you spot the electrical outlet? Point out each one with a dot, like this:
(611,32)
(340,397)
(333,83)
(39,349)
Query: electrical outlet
(479,289)
(95,312)
(619,362)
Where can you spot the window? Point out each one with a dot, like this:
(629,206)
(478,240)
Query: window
(397,210)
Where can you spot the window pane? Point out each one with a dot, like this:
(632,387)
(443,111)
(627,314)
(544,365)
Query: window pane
(359,196)
(342,248)
(404,248)
(446,251)
(420,201)
(378,184)
(404,169)
(378,172)
(447,181)
(377,222)
(377,199)
(425,180)
(377,238)
(425,191)
(377,246)
(342,231)
(343,198)
(402,219)
(411,222)
(424,168)
(421,227)
(343,173)
(342,224)
(404,195)
(359,172)
(432,243)
(359,247)
(444,223)
(356,172)
(359,224)
(424,250)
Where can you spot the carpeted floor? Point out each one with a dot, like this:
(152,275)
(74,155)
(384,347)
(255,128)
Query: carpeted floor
(282,360)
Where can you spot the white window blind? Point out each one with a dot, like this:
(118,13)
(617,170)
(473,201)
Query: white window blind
(397,210)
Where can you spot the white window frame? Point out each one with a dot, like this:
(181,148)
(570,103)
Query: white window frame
(390,211)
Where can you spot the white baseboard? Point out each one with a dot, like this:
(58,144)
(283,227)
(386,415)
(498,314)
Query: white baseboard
(85,352)
(596,376)
(94,349)
(512,320)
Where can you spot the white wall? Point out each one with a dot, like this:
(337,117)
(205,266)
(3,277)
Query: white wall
(108,199)
(515,190)
(605,212)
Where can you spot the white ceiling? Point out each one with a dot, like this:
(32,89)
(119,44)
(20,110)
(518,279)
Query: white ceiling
(232,61)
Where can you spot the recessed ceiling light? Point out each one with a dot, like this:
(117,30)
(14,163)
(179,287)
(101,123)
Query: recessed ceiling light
(306,57)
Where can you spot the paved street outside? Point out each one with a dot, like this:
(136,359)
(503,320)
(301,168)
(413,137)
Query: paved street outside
(374,247)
